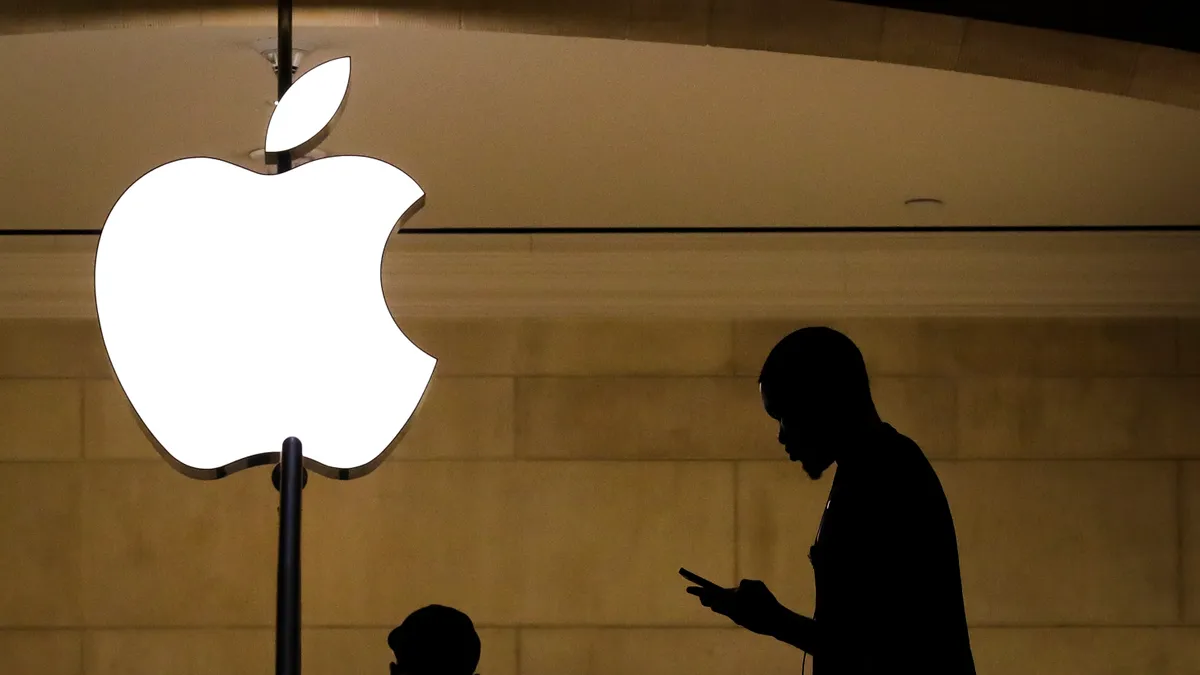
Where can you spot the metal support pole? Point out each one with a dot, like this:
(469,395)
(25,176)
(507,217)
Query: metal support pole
(283,57)
(287,607)
(291,460)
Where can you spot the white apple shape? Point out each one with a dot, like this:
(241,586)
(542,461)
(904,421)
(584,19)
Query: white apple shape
(239,308)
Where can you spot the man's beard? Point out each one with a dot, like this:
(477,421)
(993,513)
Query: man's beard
(815,462)
(814,471)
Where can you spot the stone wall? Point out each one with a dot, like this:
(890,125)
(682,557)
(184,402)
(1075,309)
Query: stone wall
(562,471)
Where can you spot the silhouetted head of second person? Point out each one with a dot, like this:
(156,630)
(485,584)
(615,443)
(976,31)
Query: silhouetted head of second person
(814,383)
(435,640)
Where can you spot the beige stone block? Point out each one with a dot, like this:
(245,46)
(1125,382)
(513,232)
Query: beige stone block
(634,347)
(52,348)
(817,27)
(697,651)
(779,508)
(1066,543)
(921,39)
(1048,57)
(30,652)
(1190,530)
(235,16)
(110,426)
(742,24)
(537,17)
(1086,651)
(1189,346)
(466,347)
(1079,417)
(983,346)
(40,558)
(517,542)
(672,21)
(146,15)
(161,549)
(182,652)
(349,15)
(643,418)
(252,651)
(87,16)
(49,243)
(26,243)
(844,30)
(922,408)
(1053,346)
(336,651)
(593,18)
(1167,76)
(462,417)
(40,419)
(14,21)
(441,14)
(268,16)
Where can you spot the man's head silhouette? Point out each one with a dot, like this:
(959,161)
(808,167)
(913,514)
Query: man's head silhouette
(814,383)
(435,640)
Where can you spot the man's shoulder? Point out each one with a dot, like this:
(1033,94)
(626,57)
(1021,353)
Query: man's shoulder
(893,451)
(900,468)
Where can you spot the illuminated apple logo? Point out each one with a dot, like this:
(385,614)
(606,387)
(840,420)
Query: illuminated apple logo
(239,308)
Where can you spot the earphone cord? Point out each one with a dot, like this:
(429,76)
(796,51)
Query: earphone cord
(804,660)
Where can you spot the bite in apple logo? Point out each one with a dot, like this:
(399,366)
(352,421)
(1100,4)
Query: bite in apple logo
(240,308)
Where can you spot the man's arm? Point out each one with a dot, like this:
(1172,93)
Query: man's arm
(798,631)
(753,607)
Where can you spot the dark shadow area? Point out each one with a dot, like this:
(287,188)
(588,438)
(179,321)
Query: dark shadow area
(435,640)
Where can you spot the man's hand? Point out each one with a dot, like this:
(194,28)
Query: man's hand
(750,605)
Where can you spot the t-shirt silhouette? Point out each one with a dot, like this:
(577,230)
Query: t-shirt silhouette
(885,560)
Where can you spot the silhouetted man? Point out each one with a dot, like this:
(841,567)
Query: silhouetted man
(885,558)
(435,640)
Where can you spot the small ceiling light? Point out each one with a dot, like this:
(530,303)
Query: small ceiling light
(924,201)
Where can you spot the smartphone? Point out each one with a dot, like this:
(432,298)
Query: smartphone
(697,579)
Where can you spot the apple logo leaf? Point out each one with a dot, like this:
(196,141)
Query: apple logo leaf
(305,114)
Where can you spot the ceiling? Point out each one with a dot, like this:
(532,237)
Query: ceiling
(507,130)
